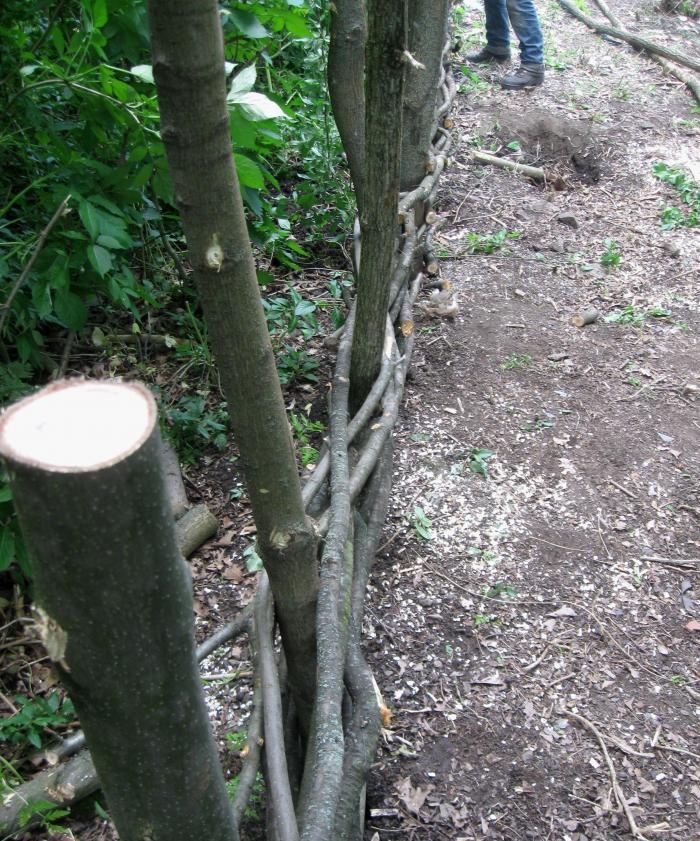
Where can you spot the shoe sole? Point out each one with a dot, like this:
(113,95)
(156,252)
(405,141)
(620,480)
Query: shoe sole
(494,60)
(520,87)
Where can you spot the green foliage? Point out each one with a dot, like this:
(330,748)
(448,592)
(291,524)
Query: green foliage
(13,553)
(238,740)
(80,119)
(477,461)
(256,796)
(295,364)
(80,124)
(631,315)
(481,619)
(488,243)
(472,82)
(610,258)
(33,715)
(74,120)
(688,191)
(194,423)
(287,313)
(498,589)
(516,361)
(421,523)
(48,813)
(303,429)
(253,561)
(537,425)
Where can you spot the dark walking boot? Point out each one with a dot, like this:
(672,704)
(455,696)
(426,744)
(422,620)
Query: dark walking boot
(526,76)
(485,56)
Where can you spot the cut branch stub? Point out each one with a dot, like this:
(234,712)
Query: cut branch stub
(115,604)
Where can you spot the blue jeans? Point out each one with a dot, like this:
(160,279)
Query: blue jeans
(523,18)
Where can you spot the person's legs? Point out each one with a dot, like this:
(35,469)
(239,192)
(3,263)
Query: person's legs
(526,24)
(497,29)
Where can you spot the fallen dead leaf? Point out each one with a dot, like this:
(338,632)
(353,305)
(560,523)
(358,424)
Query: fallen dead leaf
(234,574)
(413,797)
(489,680)
(563,611)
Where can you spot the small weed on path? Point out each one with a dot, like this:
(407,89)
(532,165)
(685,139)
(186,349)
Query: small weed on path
(516,361)
(421,524)
(688,191)
(489,243)
(610,258)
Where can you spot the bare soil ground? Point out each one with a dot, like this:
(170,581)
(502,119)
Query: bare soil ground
(541,650)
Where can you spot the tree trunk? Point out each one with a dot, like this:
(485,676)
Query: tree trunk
(384,72)
(346,67)
(427,31)
(188,66)
(115,602)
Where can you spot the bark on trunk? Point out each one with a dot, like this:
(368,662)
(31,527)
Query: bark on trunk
(115,602)
(346,67)
(384,72)
(427,31)
(188,66)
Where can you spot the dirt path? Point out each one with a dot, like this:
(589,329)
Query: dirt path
(549,614)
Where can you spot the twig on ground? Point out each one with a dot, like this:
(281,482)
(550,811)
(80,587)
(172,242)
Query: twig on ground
(546,648)
(605,633)
(533,172)
(635,40)
(619,794)
(685,563)
(621,488)
(691,83)
(641,390)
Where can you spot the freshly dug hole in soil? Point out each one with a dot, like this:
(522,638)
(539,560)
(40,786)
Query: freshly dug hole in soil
(549,139)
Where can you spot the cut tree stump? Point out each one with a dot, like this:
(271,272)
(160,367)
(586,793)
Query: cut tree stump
(581,319)
(114,602)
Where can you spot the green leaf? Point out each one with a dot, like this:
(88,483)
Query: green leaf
(70,309)
(248,24)
(100,259)
(296,25)
(256,106)
(242,82)
(41,298)
(249,173)
(143,72)
(100,222)
(7,548)
(99,13)
(100,812)
(108,241)
(142,176)
(253,561)
(88,215)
